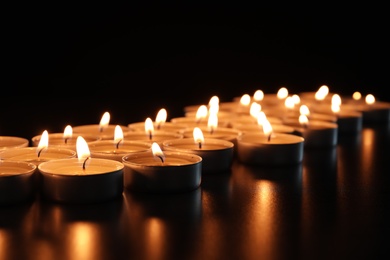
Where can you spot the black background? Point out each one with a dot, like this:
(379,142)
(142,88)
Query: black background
(68,64)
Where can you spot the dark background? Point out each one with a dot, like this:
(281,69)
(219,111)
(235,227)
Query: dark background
(69,64)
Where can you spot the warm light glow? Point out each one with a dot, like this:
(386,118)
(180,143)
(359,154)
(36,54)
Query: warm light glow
(304,110)
(335,108)
(118,134)
(68,132)
(303,120)
(261,118)
(289,103)
(282,93)
(267,128)
(212,122)
(202,112)
(104,122)
(370,99)
(214,101)
(336,100)
(198,135)
(356,95)
(149,128)
(258,95)
(296,99)
(43,142)
(161,117)
(322,92)
(213,109)
(245,100)
(254,109)
(157,152)
(82,149)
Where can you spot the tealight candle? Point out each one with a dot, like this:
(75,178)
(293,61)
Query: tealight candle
(117,148)
(65,140)
(16,182)
(157,171)
(217,154)
(315,132)
(103,129)
(12,141)
(266,149)
(83,179)
(159,124)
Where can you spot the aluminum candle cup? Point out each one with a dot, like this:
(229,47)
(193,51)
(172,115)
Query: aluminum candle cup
(12,141)
(57,140)
(16,182)
(105,134)
(280,149)
(178,173)
(107,149)
(317,133)
(65,180)
(254,128)
(349,121)
(217,154)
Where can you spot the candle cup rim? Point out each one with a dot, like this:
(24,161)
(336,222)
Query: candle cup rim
(126,160)
(29,168)
(23,142)
(189,140)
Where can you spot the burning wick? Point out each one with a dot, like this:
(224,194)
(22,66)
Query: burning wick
(39,153)
(66,140)
(200,145)
(150,135)
(161,158)
(269,137)
(117,144)
(85,162)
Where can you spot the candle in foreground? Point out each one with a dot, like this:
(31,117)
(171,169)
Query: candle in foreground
(83,179)
(13,141)
(158,171)
(217,154)
(16,182)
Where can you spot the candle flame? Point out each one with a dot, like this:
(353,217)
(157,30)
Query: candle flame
(149,128)
(335,108)
(356,95)
(258,95)
(212,122)
(296,99)
(322,92)
(104,121)
(282,93)
(336,99)
(267,129)
(261,118)
(304,110)
(289,103)
(214,101)
(198,136)
(161,118)
(83,153)
(303,120)
(370,99)
(118,136)
(245,100)
(68,132)
(157,152)
(255,109)
(201,113)
(43,142)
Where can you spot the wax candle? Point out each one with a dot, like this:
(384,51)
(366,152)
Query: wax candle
(270,149)
(117,148)
(65,140)
(83,179)
(373,111)
(12,141)
(315,132)
(104,129)
(157,171)
(217,154)
(16,182)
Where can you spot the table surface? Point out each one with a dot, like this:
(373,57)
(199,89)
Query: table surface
(333,205)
